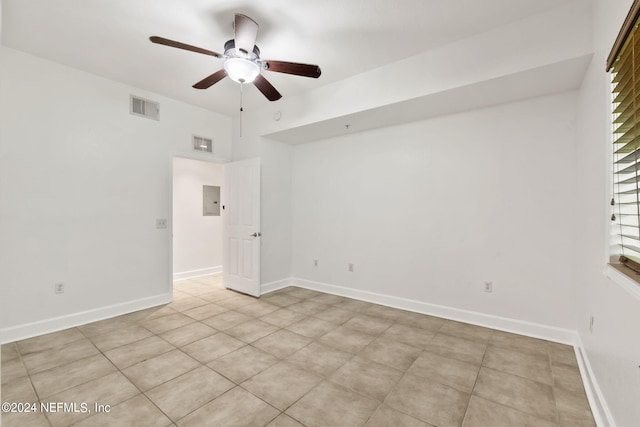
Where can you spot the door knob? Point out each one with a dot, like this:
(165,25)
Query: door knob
(256,235)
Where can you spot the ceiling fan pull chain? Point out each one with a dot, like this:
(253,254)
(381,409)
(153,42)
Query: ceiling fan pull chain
(241,109)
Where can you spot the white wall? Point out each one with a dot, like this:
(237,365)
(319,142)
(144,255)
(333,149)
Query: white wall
(464,63)
(277,163)
(613,348)
(431,210)
(81,184)
(197,239)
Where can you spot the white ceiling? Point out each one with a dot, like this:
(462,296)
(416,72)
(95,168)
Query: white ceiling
(344,37)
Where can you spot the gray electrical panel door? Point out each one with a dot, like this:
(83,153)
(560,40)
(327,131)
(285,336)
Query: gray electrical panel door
(210,200)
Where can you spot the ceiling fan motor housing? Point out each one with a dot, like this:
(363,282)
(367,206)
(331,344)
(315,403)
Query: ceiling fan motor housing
(231,52)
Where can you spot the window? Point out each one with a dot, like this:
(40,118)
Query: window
(624,64)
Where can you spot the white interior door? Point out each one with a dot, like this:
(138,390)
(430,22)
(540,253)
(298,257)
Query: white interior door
(241,236)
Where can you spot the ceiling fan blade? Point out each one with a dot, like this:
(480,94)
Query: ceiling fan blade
(266,88)
(305,70)
(214,78)
(246,31)
(179,45)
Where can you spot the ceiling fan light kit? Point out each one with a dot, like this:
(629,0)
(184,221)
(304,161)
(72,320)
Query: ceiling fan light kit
(241,70)
(242,60)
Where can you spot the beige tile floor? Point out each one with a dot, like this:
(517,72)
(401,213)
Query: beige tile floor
(293,357)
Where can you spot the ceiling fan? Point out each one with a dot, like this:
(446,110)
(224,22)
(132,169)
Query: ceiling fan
(242,61)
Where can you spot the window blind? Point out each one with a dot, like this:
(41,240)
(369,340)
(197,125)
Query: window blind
(625,77)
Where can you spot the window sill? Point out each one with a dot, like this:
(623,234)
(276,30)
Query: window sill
(628,279)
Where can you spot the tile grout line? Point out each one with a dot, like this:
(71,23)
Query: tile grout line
(393,387)
(484,355)
(31,382)
(127,378)
(553,387)
(515,375)
(404,374)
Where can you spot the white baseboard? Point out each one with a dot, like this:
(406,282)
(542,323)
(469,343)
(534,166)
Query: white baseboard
(601,412)
(183,275)
(265,288)
(521,327)
(28,330)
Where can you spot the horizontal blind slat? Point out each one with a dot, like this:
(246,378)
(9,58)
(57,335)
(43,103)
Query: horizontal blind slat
(633,248)
(629,236)
(627,146)
(629,158)
(628,169)
(634,191)
(631,180)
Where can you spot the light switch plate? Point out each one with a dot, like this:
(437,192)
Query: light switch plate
(161,223)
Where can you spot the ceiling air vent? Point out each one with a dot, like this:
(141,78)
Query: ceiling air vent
(201,143)
(144,108)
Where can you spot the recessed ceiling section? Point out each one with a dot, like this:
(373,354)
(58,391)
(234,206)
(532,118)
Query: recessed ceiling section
(110,38)
(559,77)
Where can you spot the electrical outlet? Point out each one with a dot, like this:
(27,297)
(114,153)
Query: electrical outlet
(488,287)
(58,288)
(591,324)
(315,262)
(161,223)
(351,268)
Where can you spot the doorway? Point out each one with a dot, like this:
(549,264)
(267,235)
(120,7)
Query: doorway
(197,225)
(227,240)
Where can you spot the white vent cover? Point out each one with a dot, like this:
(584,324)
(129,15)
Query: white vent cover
(201,143)
(144,108)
